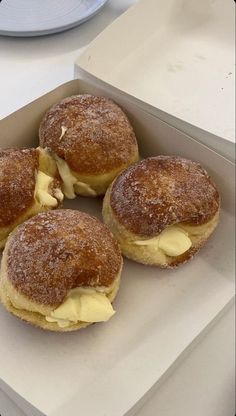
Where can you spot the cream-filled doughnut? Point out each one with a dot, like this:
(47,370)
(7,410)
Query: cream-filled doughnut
(91,140)
(60,271)
(29,184)
(162,210)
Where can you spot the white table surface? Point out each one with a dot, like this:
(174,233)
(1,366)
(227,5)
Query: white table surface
(204,383)
(33,66)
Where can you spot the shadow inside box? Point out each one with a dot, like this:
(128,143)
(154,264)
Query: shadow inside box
(92,206)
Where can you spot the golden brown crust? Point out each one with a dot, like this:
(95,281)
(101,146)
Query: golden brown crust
(57,251)
(17,182)
(161,191)
(98,136)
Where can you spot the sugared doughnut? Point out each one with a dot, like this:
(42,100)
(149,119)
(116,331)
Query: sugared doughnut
(61,271)
(92,142)
(25,187)
(162,210)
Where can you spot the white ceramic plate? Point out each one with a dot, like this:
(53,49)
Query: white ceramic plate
(36,18)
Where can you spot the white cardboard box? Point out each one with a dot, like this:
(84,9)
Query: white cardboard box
(178,58)
(107,369)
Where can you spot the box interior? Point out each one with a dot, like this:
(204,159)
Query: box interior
(160,313)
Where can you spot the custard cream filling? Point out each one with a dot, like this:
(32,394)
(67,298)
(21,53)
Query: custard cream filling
(42,194)
(46,162)
(84,305)
(173,241)
(71,185)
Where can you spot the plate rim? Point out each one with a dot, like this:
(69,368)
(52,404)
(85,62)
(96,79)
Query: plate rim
(54,29)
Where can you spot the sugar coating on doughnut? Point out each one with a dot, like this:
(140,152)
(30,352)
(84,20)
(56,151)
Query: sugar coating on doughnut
(92,134)
(17,182)
(161,191)
(57,251)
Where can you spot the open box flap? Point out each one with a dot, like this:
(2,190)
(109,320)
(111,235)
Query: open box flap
(178,57)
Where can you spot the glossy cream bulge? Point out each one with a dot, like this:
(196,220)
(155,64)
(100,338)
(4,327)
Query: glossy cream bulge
(71,185)
(82,304)
(42,191)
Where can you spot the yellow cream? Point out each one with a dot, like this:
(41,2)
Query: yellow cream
(84,305)
(42,194)
(71,185)
(81,188)
(174,241)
